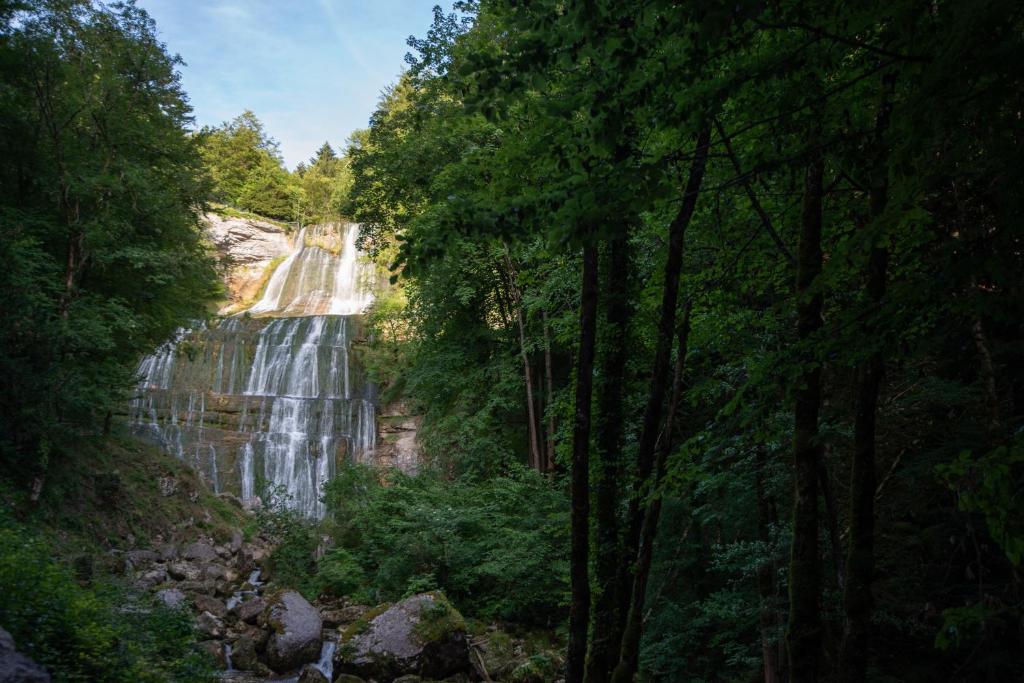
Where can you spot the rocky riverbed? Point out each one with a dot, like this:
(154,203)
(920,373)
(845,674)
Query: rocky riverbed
(259,631)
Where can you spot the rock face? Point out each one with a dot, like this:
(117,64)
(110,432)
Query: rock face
(16,667)
(398,444)
(422,635)
(295,636)
(246,247)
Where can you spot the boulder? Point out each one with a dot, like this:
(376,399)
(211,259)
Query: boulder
(204,603)
(249,610)
(167,552)
(140,558)
(348,678)
(184,571)
(171,597)
(236,542)
(201,552)
(153,577)
(206,587)
(223,552)
(295,631)
(343,615)
(421,635)
(210,626)
(243,656)
(311,674)
(16,667)
(216,650)
(214,571)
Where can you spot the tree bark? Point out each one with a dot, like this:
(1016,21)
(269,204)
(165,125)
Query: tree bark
(550,403)
(630,652)
(531,413)
(579,575)
(604,645)
(803,636)
(659,370)
(860,559)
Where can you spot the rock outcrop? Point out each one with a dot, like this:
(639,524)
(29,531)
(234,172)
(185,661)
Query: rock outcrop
(246,248)
(422,635)
(16,667)
(295,631)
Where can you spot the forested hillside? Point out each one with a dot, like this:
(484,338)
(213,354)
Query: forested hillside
(707,316)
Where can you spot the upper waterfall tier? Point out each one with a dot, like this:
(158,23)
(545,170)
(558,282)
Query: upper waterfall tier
(324,274)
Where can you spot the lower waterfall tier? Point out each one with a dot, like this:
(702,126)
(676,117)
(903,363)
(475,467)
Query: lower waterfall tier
(260,404)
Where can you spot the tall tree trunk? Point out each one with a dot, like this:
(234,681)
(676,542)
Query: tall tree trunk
(531,413)
(579,556)
(609,429)
(550,401)
(860,559)
(803,636)
(630,652)
(659,370)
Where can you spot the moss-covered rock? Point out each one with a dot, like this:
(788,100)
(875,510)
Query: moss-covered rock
(423,635)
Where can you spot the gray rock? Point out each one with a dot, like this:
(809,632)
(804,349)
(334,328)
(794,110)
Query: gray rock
(204,603)
(167,552)
(249,610)
(223,552)
(214,571)
(202,552)
(16,667)
(171,597)
(153,577)
(140,558)
(184,571)
(343,615)
(422,635)
(210,626)
(311,674)
(295,632)
(236,541)
(348,678)
(215,648)
(206,587)
(244,658)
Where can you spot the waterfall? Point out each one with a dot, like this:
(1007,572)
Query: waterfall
(273,397)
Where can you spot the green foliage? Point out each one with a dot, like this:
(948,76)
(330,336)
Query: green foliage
(493,546)
(100,182)
(100,632)
(292,562)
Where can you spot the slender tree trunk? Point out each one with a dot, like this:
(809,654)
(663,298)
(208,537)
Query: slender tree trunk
(609,429)
(531,413)
(831,523)
(630,653)
(766,519)
(860,559)
(803,635)
(550,402)
(659,370)
(579,557)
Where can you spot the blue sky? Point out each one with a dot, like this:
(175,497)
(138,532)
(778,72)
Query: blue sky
(311,70)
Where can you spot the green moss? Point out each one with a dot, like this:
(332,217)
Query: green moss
(439,620)
(362,623)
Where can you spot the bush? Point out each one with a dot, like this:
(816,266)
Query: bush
(98,633)
(495,547)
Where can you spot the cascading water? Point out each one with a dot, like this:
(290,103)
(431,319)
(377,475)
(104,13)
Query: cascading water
(272,397)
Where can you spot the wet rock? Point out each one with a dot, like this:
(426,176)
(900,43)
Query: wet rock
(348,678)
(204,603)
(249,610)
(201,552)
(210,626)
(171,597)
(184,571)
(311,674)
(16,667)
(422,635)
(295,631)
(411,678)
